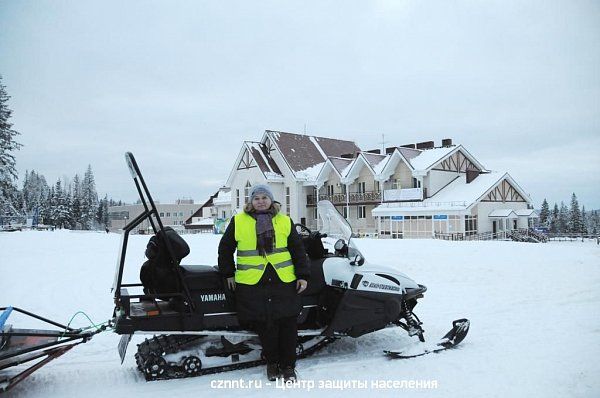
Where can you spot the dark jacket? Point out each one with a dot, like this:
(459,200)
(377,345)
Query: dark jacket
(270,298)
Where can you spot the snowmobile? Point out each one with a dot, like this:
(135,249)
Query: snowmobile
(190,313)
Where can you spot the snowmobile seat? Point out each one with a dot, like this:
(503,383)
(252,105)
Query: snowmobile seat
(202,277)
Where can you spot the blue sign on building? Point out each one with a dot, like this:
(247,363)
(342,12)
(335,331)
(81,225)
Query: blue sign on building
(398,218)
(440,217)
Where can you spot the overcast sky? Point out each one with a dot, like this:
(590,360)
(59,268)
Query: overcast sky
(182,84)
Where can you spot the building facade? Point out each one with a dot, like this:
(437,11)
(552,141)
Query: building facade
(172,215)
(411,191)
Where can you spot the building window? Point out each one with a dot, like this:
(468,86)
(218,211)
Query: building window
(344,188)
(237,198)
(345,212)
(395,183)
(377,187)
(416,183)
(316,213)
(287,200)
(362,187)
(223,216)
(247,192)
(180,214)
(162,214)
(362,211)
(168,214)
(330,190)
(470,225)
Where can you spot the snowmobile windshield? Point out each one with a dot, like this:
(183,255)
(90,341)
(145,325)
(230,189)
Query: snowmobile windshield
(336,226)
(333,223)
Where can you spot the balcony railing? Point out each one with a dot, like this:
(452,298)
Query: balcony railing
(340,198)
(391,195)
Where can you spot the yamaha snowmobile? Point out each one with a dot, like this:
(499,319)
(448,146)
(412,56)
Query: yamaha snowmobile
(190,313)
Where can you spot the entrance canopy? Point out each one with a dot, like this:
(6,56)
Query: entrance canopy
(503,213)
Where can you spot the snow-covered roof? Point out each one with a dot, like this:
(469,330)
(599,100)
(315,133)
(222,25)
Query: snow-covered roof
(459,190)
(503,213)
(526,213)
(263,159)
(311,173)
(222,198)
(378,167)
(430,157)
(340,164)
(204,221)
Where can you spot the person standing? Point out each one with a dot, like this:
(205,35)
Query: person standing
(269,273)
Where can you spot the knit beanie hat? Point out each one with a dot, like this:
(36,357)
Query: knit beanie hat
(261,189)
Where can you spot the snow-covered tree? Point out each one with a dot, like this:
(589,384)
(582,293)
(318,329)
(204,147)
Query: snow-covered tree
(8,171)
(554,219)
(102,213)
(563,218)
(595,222)
(89,199)
(575,222)
(76,202)
(545,213)
(60,207)
(584,221)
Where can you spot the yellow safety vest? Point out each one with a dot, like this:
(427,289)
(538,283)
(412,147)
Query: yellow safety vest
(250,264)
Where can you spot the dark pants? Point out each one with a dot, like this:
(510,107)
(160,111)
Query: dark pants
(278,338)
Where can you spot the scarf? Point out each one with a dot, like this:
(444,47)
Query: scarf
(265,233)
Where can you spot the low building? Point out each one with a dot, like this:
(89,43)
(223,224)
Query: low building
(172,215)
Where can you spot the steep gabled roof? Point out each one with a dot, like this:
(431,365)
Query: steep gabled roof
(263,158)
(428,158)
(340,164)
(258,152)
(409,153)
(303,152)
(376,161)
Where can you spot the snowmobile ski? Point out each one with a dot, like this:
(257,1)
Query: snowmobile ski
(460,328)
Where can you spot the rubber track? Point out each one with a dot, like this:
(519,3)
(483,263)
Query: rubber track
(169,344)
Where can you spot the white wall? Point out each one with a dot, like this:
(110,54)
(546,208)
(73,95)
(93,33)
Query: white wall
(436,180)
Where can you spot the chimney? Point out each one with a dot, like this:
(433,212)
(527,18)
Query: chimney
(446,142)
(412,146)
(425,145)
(471,175)
(378,151)
(389,150)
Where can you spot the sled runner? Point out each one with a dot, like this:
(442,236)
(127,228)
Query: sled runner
(32,348)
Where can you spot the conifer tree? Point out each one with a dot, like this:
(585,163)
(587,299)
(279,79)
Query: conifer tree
(554,219)
(8,171)
(575,222)
(545,213)
(563,218)
(89,199)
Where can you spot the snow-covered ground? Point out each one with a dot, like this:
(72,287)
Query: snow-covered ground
(534,311)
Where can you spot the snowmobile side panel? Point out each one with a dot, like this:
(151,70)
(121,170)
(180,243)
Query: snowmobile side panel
(360,312)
